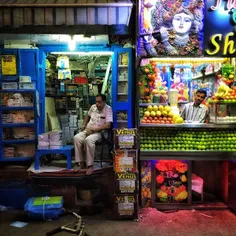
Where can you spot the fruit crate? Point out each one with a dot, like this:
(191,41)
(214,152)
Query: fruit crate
(126,206)
(125,138)
(126,182)
(125,160)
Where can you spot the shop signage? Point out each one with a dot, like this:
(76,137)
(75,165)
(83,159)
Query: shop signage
(8,63)
(220,21)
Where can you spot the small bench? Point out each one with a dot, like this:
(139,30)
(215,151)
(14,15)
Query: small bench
(65,150)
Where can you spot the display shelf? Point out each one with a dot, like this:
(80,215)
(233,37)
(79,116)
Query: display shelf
(18,90)
(187,155)
(21,141)
(12,125)
(223,103)
(207,74)
(122,121)
(122,80)
(122,94)
(55,95)
(7,159)
(123,66)
(211,126)
(17,108)
(152,104)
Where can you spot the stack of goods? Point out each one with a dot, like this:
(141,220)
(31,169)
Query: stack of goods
(44,208)
(159,115)
(43,141)
(126,173)
(69,125)
(9,151)
(55,139)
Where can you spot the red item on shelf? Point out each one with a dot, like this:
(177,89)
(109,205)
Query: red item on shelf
(80,80)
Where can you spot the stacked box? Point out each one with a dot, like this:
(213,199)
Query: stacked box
(126,173)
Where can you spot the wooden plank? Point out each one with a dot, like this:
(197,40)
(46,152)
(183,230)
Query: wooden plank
(60,16)
(81,16)
(111,16)
(91,12)
(6,16)
(18,17)
(61,1)
(39,16)
(48,16)
(9,2)
(70,16)
(50,2)
(19,1)
(28,19)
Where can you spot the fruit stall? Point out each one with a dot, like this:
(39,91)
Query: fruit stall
(184,46)
(169,145)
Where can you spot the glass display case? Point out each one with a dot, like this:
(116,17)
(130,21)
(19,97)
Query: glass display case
(222,113)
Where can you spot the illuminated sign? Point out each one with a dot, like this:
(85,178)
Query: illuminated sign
(220,21)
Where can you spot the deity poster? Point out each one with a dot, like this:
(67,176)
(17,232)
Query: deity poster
(171,28)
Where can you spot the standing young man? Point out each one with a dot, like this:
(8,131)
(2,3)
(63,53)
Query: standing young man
(195,112)
(99,117)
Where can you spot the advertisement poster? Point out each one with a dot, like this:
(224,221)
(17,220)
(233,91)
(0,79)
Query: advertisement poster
(8,64)
(171,181)
(171,28)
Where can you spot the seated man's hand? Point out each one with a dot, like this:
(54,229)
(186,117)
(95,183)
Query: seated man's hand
(83,127)
(89,132)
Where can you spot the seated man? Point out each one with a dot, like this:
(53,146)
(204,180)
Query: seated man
(99,117)
(195,112)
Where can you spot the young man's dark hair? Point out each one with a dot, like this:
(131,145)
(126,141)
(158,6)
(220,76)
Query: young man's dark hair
(202,91)
(103,96)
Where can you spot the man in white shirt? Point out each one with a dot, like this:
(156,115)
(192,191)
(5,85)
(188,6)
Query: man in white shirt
(99,117)
(195,112)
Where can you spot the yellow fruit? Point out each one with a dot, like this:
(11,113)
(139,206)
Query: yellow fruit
(164,113)
(167,108)
(153,113)
(163,92)
(147,113)
(149,108)
(231,76)
(175,117)
(155,108)
(158,113)
(161,108)
(183,178)
(170,114)
(154,91)
(179,120)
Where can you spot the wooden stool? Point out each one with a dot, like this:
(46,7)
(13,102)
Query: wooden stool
(65,150)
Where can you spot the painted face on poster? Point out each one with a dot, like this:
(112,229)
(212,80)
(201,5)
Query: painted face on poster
(182,23)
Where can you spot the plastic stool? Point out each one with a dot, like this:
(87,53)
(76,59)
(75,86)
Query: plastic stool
(65,150)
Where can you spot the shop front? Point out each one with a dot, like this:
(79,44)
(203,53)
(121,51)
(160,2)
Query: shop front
(186,48)
(59,56)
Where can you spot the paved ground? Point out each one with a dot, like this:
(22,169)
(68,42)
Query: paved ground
(152,223)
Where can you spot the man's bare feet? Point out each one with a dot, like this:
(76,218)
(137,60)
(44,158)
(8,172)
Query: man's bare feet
(89,170)
(80,165)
